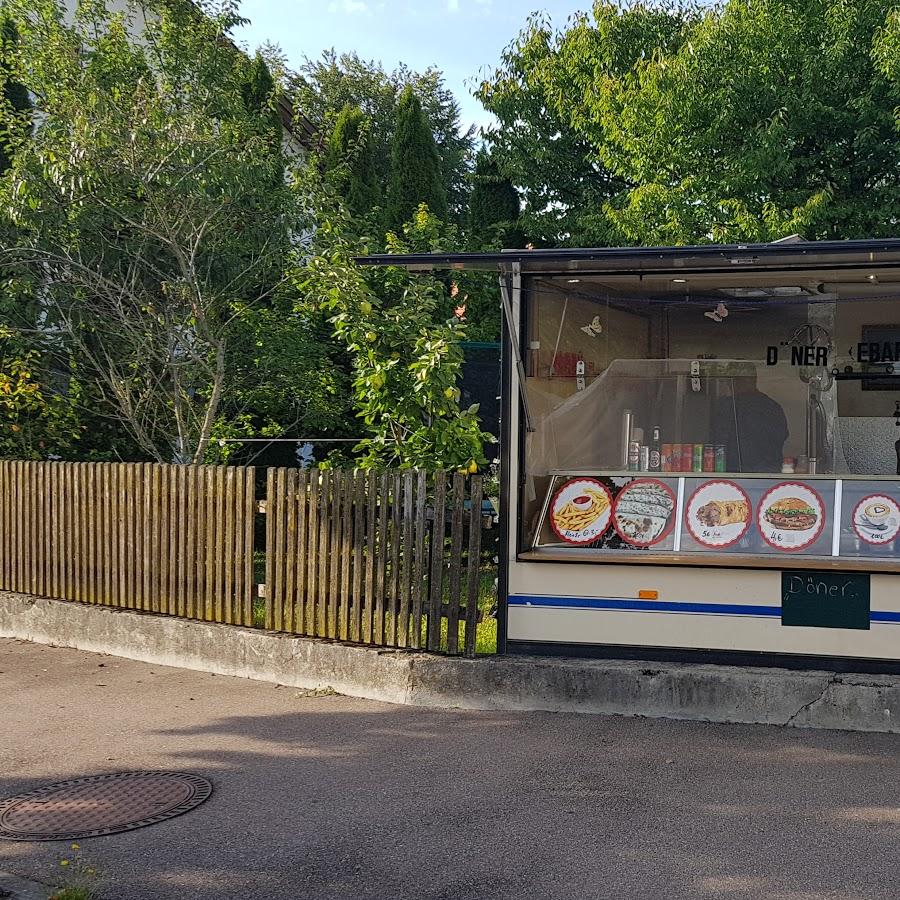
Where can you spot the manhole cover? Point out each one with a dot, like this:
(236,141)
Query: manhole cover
(101,804)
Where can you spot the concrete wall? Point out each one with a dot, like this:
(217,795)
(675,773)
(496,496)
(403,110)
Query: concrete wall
(698,692)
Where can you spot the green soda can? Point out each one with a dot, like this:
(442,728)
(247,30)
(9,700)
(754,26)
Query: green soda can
(698,457)
(720,458)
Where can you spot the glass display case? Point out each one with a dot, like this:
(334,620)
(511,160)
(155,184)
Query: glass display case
(674,422)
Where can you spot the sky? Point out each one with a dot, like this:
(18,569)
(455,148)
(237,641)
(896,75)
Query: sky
(462,38)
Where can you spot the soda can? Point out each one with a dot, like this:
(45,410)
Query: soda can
(721,464)
(687,457)
(698,458)
(634,456)
(667,458)
(709,458)
(645,458)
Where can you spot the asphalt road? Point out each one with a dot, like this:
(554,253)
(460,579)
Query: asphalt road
(330,797)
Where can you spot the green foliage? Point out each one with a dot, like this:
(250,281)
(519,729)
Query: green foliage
(15,104)
(352,163)
(562,185)
(152,207)
(415,166)
(494,207)
(324,87)
(35,422)
(405,366)
(740,122)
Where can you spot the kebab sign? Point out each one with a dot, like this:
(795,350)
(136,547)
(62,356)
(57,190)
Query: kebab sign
(718,514)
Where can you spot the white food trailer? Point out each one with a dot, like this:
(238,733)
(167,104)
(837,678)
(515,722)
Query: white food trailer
(700,451)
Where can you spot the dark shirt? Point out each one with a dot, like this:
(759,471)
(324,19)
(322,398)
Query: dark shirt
(753,428)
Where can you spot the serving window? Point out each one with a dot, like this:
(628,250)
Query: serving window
(713,415)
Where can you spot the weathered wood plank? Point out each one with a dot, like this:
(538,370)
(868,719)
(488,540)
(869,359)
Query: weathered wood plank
(312,554)
(371,510)
(249,544)
(437,563)
(419,585)
(147,524)
(473,578)
(404,587)
(271,513)
(323,611)
(279,525)
(301,502)
(346,559)
(227,548)
(222,601)
(457,506)
(381,563)
(334,554)
(394,566)
(359,533)
(291,561)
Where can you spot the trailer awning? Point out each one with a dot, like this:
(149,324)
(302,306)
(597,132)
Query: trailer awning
(800,255)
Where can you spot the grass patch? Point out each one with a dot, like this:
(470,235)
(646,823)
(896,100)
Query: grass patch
(486,629)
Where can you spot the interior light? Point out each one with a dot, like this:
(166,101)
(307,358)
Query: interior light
(574,281)
(680,280)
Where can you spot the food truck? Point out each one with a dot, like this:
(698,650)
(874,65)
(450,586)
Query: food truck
(700,451)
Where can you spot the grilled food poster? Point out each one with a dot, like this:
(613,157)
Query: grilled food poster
(719,514)
(791,516)
(580,511)
(644,512)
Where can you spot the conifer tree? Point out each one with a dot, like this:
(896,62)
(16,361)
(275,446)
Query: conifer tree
(415,166)
(349,157)
(494,206)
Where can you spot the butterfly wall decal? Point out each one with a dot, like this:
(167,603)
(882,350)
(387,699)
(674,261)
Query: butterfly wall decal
(719,314)
(594,328)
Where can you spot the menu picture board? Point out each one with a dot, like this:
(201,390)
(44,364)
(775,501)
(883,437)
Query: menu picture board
(721,514)
(758,516)
(611,512)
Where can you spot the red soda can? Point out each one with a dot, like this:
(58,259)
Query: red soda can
(667,461)
(687,457)
(709,458)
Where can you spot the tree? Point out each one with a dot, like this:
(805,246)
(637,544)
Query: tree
(562,184)
(405,365)
(324,87)
(494,207)
(743,122)
(156,226)
(15,104)
(350,159)
(415,166)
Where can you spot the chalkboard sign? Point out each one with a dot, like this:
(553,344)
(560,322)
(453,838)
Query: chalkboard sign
(825,599)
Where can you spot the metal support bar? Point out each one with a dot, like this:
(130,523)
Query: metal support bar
(514,340)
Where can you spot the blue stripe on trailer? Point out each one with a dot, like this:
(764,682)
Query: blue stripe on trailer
(668,606)
(720,609)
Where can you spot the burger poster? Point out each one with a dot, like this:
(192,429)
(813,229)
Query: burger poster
(791,516)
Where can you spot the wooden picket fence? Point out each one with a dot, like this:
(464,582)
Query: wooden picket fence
(167,539)
(366,557)
(388,559)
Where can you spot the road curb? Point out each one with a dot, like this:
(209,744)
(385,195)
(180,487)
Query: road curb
(808,699)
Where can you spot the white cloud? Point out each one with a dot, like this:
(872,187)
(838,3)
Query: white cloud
(452,5)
